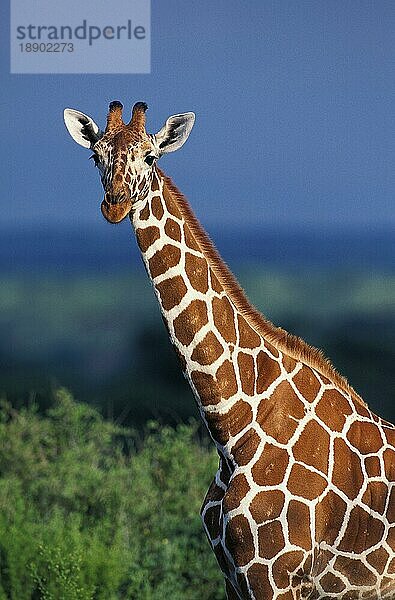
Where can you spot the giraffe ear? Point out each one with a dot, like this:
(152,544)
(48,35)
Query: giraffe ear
(175,132)
(82,128)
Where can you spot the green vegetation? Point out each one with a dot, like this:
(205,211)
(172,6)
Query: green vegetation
(93,511)
(90,510)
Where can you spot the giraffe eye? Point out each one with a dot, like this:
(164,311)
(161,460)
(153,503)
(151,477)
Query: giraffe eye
(149,159)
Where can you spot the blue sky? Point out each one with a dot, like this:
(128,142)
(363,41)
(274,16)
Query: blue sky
(295,117)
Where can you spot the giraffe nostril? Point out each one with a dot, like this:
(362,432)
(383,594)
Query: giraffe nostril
(116,198)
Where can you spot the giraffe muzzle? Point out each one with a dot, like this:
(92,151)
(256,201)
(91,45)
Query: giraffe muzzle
(115,208)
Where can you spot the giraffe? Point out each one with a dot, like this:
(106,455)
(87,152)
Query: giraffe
(303,502)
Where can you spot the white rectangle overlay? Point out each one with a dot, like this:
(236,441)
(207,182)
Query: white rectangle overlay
(53,36)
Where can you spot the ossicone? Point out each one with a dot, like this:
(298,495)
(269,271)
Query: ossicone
(137,122)
(114,117)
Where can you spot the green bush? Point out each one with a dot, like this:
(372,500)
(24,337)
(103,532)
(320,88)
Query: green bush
(92,511)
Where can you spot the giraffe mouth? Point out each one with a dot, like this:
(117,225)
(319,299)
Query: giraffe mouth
(116,208)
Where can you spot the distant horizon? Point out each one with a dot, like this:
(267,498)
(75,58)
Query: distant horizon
(108,247)
(95,222)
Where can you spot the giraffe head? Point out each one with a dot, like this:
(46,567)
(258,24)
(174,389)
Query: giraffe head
(126,154)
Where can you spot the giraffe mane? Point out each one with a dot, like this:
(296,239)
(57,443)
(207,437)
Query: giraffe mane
(287,343)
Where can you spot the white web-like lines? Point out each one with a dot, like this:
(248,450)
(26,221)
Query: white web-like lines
(310,413)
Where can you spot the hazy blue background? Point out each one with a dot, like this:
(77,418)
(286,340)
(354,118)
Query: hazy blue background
(295,116)
(290,166)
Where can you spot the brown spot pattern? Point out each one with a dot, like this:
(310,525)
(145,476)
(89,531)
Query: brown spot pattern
(236,491)
(307,565)
(221,558)
(278,414)
(214,493)
(284,565)
(248,338)
(389,464)
(169,256)
(171,205)
(391,538)
(391,507)
(270,467)
(355,571)
(245,448)
(239,540)
(298,517)
(361,410)
(146,237)
(391,567)
(389,433)
(332,584)
(307,383)
(224,319)
(347,471)
(365,437)
(247,373)
(212,520)
(350,595)
(387,584)
(372,466)
(289,363)
(258,577)
(235,420)
(332,409)
(321,560)
(305,483)
(362,532)
(270,539)
(206,387)
(329,515)
(268,370)
(378,559)
(189,239)
(215,284)
(312,447)
(238,417)
(190,321)
(197,272)
(145,213)
(267,505)
(172,230)
(272,349)
(375,496)
(157,208)
(171,292)
(155,184)
(226,379)
(208,350)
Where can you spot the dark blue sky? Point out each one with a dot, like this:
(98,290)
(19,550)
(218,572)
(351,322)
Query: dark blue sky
(295,116)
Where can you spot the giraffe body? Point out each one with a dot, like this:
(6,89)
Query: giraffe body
(303,503)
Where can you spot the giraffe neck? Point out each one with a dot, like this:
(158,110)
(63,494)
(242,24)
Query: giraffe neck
(217,347)
(231,355)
